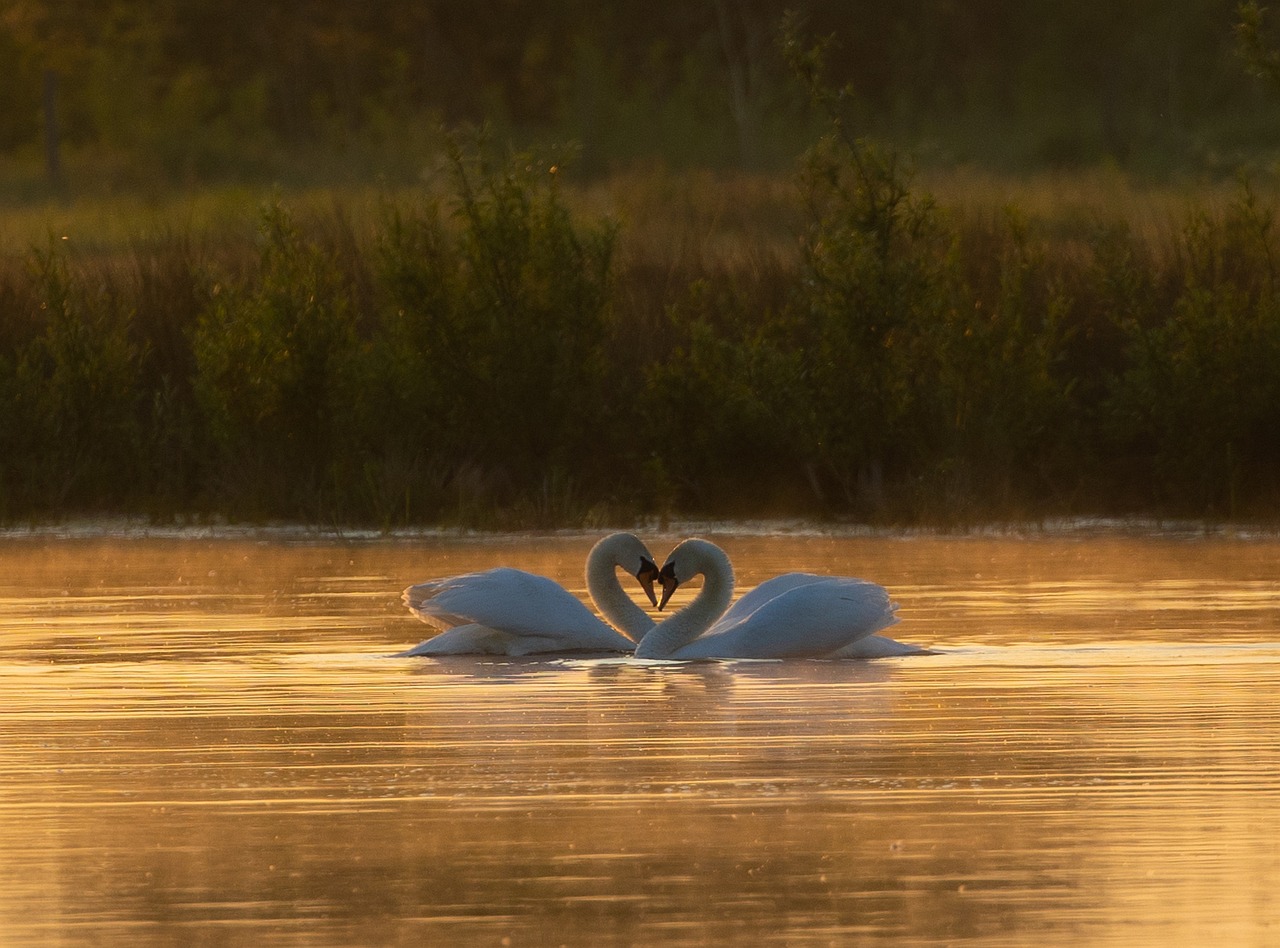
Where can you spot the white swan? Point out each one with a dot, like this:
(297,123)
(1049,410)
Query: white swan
(796,615)
(873,646)
(507,611)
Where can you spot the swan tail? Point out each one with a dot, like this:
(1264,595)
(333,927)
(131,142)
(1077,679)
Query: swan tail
(879,646)
(420,598)
(430,603)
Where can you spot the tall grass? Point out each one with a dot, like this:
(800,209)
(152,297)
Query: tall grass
(506,349)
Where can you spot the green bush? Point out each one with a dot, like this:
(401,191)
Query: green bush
(495,321)
(874,292)
(273,359)
(726,413)
(1202,385)
(72,434)
(876,284)
(1007,396)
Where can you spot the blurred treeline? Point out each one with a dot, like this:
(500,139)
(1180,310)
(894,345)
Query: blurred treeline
(297,91)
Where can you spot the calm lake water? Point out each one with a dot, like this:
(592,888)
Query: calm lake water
(202,742)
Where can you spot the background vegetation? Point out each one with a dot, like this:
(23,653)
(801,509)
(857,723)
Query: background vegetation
(762,307)
(163,92)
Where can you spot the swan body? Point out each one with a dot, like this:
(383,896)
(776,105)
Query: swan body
(797,615)
(873,646)
(507,611)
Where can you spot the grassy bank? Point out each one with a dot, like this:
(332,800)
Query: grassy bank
(503,348)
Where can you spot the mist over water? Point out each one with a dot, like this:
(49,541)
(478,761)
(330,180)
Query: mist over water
(201,738)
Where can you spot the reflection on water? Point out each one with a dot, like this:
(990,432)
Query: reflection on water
(202,740)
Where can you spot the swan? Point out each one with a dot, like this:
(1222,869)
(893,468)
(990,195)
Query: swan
(507,611)
(796,615)
(873,646)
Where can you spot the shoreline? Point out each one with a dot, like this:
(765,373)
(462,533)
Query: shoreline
(1084,528)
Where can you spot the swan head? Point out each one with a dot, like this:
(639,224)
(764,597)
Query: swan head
(667,576)
(687,560)
(625,551)
(649,574)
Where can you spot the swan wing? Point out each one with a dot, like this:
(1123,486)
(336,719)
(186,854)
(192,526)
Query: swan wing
(770,589)
(515,605)
(508,599)
(809,620)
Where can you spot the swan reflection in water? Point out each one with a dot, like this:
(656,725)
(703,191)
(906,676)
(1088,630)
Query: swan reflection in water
(656,676)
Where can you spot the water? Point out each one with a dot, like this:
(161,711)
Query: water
(201,742)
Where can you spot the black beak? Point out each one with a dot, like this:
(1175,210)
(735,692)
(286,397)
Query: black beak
(669,584)
(648,575)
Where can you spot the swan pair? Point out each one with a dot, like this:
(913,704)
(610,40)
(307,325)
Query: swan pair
(796,615)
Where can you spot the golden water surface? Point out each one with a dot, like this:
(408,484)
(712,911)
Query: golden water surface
(202,741)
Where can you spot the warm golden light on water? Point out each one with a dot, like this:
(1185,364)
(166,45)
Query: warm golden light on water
(203,741)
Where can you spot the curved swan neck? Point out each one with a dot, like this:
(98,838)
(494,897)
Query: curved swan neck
(689,559)
(619,550)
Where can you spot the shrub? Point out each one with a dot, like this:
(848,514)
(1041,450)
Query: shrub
(495,321)
(726,413)
(1203,386)
(73,402)
(875,287)
(273,363)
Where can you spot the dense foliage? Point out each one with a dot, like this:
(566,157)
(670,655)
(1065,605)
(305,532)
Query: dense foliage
(491,358)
